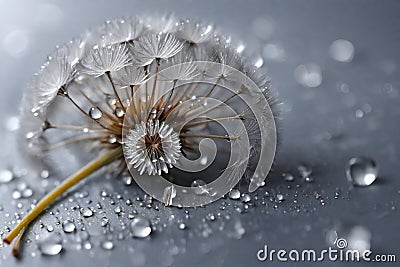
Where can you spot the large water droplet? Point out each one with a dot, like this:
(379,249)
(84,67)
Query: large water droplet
(361,171)
(342,50)
(95,113)
(234,194)
(140,227)
(6,176)
(68,226)
(50,246)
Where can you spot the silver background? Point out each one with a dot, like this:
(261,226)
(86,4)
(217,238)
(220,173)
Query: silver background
(305,29)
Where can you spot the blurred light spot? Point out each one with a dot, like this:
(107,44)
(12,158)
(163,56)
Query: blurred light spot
(342,50)
(12,124)
(258,62)
(308,75)
(240,48)
(274,52)
(15,42)
(263,27)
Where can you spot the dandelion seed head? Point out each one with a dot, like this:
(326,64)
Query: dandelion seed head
(155,87)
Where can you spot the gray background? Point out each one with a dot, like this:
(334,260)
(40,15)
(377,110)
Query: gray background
(305,30)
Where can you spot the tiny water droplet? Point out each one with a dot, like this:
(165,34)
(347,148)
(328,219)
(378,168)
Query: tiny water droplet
(119,112)
(279,197)
(288,177)
(86,212)
(182,226)
(95,113)
(246,198)
(112,139)
(234,194)
(127,180)
(68,226)
(107,245)
(140,227)
(361,171)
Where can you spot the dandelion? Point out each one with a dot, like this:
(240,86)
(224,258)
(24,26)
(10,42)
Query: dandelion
(135,94)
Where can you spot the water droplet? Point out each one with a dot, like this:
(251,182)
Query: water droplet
(304,171)
(279,197)
(86,212)
(119,112)
(199,187)
(361,171)
(168,195)
(6,176)
(44,174)
(27,192)
(182,226)
(50,246)
(246,198)
(234,194)
(359,113)
(112,139)
(118,210)
(309,75)
(68,226)
(95,113)
(288,177)
(342,50)
(127,180)
(87,245)
(107,245)
(140,227)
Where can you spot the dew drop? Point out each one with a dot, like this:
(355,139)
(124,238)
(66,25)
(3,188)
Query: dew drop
(288,177)
(95,113)
(119,112)
(279,197)
(234,194)
(140,227)
(50,246)
(6,176)
(127,180)
(246,198)
(361,171)
(68,226)
(182,226)
(107,245)
(86,212)
(342,50)
(112,139)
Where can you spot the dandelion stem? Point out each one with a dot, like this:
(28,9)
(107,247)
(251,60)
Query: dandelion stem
(90,168)
(115,90)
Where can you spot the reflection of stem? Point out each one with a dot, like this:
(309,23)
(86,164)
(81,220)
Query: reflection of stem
(16,248)
(90,168)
